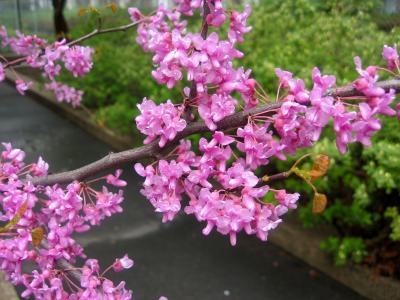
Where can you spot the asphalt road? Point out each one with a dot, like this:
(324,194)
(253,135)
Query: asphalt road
(174,259)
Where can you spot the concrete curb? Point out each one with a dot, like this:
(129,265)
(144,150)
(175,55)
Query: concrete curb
(291,236)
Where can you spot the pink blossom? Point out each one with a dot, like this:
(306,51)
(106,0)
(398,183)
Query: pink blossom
(188,6)
(2,72)
(163,187)
(114,179)
(391,56)
(216,17)
(135,14)
(21,86)
(213,109)
(122,263)
(78,60)
(13,154)
(237,176)
(323,82)
(4,36)
(238,25)
(109,203)
(52,54)
(342,124)
(163,120)
(258,145)
(40,168)
(284,77)
(65,93)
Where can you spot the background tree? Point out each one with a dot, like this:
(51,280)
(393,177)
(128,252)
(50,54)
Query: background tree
(60,24)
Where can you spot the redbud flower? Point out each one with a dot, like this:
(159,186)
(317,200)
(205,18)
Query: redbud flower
(78,60)
(123,263)
(391,56)
(114,179)
(13,154)
(216,17)
(2,73)
(65,93)
(163,120)
(188,6)
(238,25)
(135,14)
(22,86)
(40,168)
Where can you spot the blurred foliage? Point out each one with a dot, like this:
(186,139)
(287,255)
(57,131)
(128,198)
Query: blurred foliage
(345,250)
(393,213)
(362,186)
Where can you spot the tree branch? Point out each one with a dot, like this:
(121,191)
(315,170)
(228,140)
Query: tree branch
(95,32)
(152,150)
(203,34)
(103,31)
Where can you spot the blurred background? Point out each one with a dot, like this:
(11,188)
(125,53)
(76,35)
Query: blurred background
(363,186)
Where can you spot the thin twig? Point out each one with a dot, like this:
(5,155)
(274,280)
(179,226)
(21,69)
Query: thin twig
(95,32)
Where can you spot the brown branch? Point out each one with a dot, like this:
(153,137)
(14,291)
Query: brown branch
(278,176)
(152,150)
(203,34)
(103,31)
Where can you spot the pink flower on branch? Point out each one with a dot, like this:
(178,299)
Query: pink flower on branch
(2,72)
(22,86)
(391,55)
(78,60)
(122,263)
(162,120)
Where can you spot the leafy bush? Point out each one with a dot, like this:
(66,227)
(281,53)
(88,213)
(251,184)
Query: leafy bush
(347,249)
(393,213)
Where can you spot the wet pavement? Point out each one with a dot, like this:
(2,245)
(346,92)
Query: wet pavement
(173,259)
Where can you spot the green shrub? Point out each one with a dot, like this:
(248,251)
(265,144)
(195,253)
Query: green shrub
(345,250)
(393,213)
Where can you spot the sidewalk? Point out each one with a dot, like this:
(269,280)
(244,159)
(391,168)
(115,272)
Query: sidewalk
(175,259)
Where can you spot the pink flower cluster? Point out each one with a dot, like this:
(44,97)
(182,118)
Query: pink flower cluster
(162,120)
(391,55)
(208,63)
(65,93)
(223,188)
(304,113)
(22,86)
(78,60)
(39,224)
(47,57)
(216,16)
(236,206)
